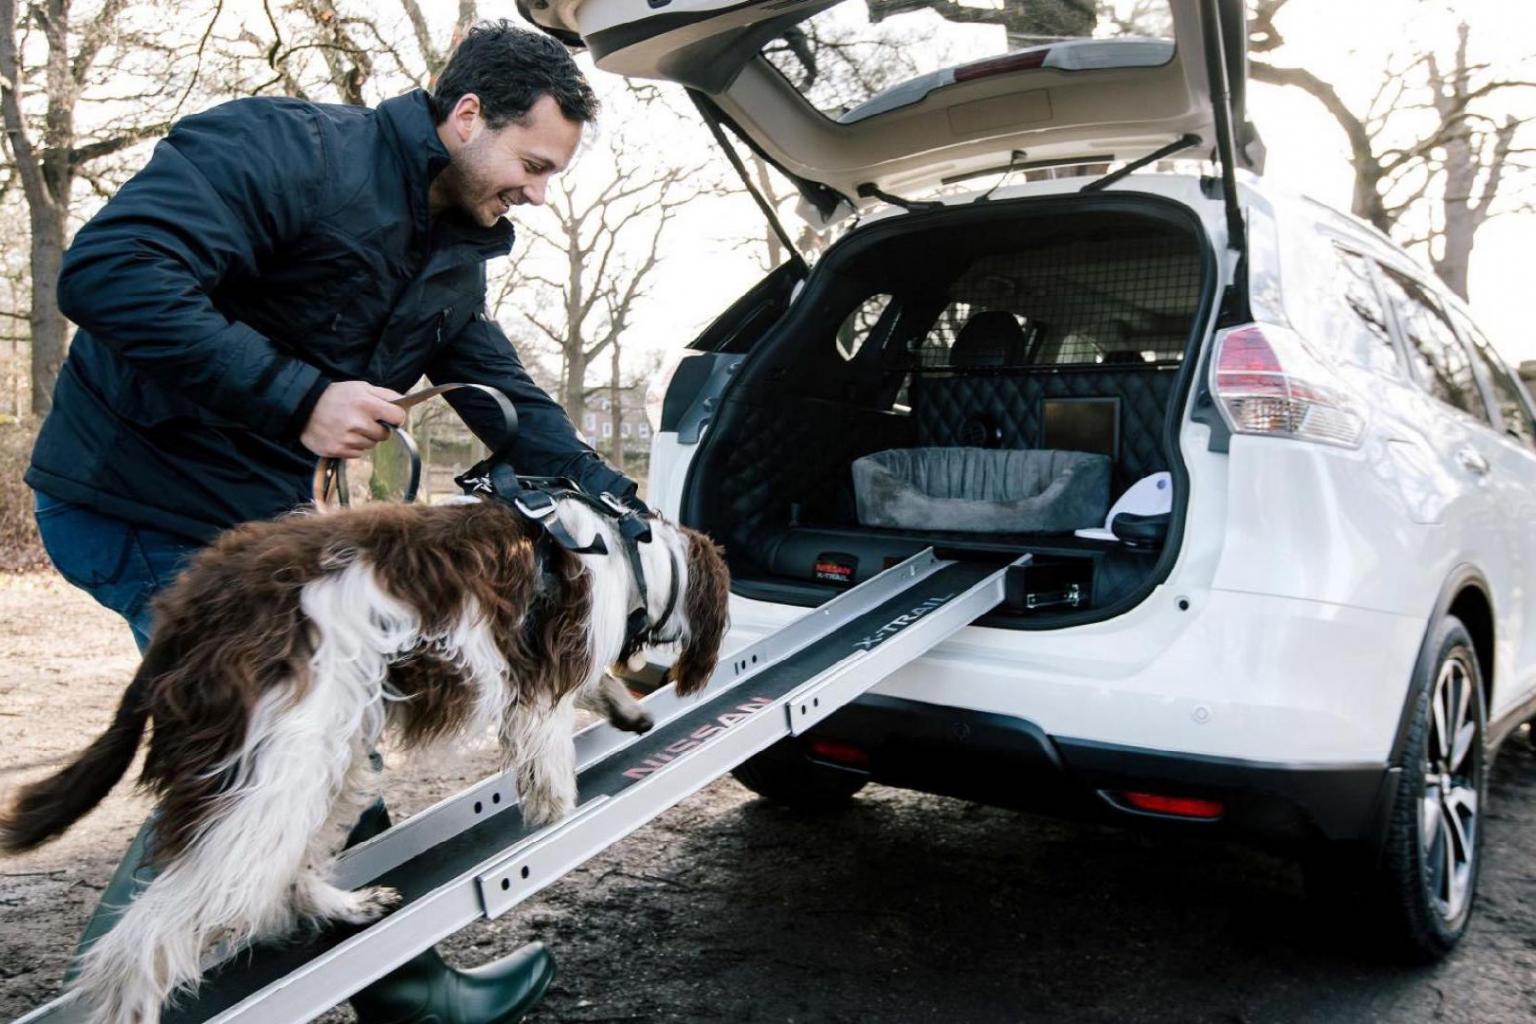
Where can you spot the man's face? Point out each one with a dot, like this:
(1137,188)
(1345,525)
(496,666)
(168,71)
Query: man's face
(493,170)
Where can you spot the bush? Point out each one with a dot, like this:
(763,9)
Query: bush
(20,548)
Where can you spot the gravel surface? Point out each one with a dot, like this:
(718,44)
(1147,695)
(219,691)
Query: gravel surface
(901,908)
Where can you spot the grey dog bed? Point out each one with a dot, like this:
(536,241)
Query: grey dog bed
(982,490)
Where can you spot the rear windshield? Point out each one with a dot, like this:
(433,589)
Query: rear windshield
(858,59)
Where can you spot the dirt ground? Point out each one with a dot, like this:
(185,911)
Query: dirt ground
(902,908)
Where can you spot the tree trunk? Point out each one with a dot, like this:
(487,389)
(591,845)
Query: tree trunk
(50,331)
(1460,232)
(1461,218)
(575,381)
(575,343)
(616,393)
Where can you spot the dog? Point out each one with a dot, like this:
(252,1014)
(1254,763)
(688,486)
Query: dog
(285,652)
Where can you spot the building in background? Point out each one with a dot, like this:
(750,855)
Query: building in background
(623,434)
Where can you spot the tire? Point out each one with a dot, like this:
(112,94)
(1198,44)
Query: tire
(1418,895)
(789,778)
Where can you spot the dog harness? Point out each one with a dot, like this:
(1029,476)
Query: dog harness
(535,499)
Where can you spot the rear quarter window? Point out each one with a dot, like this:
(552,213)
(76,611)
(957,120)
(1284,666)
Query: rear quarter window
(1333,301)
(1357,321)
(1441,363)
(858,325)
(1507,391)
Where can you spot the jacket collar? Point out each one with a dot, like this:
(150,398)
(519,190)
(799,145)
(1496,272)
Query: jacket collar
(408,126)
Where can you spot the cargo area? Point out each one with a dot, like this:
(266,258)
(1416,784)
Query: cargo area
(1006,371)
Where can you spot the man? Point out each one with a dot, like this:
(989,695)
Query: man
(254,298)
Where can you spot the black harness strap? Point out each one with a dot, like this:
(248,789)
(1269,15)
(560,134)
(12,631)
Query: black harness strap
(535,500)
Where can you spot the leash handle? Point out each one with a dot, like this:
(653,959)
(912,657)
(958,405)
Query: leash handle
(331,473)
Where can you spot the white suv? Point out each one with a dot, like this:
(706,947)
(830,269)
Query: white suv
(1318,645)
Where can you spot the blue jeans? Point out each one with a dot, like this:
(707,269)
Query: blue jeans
(121,565)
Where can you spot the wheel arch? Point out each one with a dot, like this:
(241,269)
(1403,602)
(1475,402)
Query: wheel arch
(1466,595)
(1475,610)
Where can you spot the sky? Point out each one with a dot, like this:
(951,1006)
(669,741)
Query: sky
(1347,43)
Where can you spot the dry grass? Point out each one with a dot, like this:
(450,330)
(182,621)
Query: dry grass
(20,548)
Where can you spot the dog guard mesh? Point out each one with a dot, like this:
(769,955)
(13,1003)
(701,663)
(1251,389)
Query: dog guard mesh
(1078,302)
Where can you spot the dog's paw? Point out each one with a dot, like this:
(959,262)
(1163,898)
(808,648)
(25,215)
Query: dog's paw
(540,809)
(368,905)
(638,721)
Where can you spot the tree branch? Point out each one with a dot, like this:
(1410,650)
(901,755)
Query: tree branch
(82,155)
(430,55)
(94,38)
(1367,202)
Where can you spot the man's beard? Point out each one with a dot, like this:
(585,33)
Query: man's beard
(467,191)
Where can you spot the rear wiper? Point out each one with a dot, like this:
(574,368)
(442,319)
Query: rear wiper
(869,190)
(1182,142)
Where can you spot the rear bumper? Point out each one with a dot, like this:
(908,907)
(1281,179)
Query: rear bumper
(1011,762)
(1243,678)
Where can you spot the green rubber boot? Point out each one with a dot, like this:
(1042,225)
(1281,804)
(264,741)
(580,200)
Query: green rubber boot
(423,990)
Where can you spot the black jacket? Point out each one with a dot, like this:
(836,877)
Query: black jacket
(270,247)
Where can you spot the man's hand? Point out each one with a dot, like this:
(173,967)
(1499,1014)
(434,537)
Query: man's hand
(349,419)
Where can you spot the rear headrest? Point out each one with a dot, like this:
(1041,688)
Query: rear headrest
(992,337)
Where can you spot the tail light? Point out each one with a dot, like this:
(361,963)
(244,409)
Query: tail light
(1266,382)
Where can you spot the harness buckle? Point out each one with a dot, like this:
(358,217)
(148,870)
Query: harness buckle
(630,522)
(544,511)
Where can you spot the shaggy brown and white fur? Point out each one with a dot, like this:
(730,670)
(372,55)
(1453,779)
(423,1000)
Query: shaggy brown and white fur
(279,660)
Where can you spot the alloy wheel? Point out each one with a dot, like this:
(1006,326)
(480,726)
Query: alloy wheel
(1448,810)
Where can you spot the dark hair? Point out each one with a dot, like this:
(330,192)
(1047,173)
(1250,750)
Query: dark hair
(509,68)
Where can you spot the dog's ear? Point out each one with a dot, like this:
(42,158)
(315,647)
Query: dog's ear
(707,600)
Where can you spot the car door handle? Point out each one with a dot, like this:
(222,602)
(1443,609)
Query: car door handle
(1472,461)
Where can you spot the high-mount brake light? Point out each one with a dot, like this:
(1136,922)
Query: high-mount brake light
(1021,61)
(1266,382)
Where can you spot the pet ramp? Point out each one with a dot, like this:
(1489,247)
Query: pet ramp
(470,856)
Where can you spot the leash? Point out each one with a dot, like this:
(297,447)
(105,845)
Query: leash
(331,474)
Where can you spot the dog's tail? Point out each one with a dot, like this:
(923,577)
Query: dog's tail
(44,809)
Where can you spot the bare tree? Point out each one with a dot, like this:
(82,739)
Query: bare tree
(595,250)
(1432,179)
(318,49)
(44,80)
(83,82)
(433,55)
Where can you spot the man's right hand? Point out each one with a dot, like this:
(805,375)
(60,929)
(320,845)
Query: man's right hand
(349,419)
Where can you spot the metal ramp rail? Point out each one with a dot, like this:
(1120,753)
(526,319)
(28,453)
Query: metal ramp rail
(470,856)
